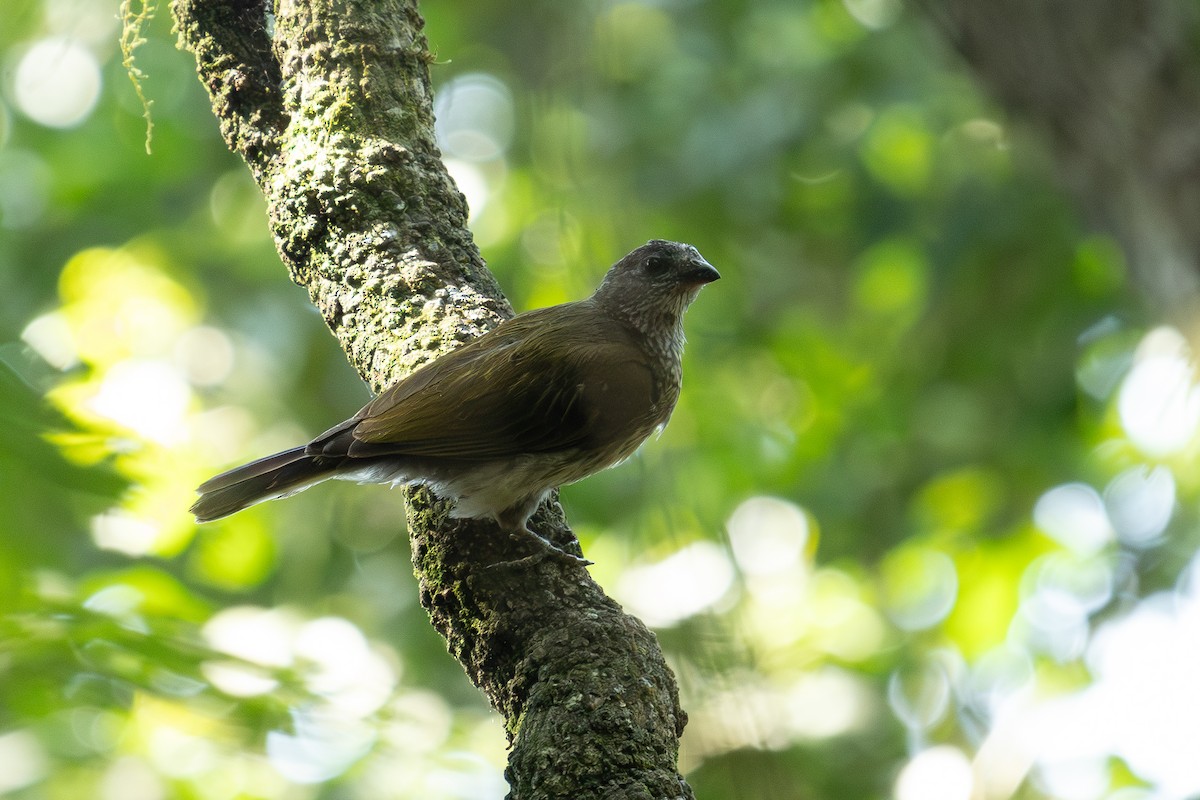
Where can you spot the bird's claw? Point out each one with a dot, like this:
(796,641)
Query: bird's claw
(548,549)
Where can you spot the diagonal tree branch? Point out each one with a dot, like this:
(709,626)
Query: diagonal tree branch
(329,103)
(243,77)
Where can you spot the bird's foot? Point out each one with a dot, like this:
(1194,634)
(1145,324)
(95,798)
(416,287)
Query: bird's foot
(547,549)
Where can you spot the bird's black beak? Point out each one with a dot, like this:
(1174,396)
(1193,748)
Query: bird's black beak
(701,273)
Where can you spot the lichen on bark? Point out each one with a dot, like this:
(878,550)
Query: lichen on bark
(330,105)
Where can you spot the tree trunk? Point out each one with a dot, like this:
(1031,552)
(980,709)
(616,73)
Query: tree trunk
(329,103)
(1113,86)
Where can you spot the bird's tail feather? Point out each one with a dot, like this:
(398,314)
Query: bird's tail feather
(267,478)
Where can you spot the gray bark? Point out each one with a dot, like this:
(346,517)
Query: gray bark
(329,103)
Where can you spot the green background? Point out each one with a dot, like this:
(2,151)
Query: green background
(929,498)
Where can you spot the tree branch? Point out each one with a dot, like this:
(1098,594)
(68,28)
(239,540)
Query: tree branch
(329,103)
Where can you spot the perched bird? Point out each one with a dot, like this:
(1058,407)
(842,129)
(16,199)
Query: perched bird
(546,398)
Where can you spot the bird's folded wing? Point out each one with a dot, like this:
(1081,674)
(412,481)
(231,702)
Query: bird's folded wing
(536,392)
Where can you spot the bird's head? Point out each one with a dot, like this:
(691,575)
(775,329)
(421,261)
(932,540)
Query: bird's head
(655,283)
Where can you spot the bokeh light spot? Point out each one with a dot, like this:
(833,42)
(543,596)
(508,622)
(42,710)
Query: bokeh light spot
(768,535)
(238,680)
(149,397)
(683,584)
(24,760)
(939,773)
(1159,401)
(1077,585)
(321,746)
(898,150)
(131,778)
(474,117)
(919,693)
(50,337)
(180,754)
(355,679)
(262,636)
(125,533)
(1062,590)
(1106,357)
(1074,515)
(920,585)
(892,279)
(471,182)
(964,499)
(205,355)
(256,636)
(1075,779)
(57,82)
(1145,665)
(873,14)
(121,303)
(827,703)
(845,625)
(1140,502)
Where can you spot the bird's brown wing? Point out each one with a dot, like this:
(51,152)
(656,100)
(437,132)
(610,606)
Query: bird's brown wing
(539,385)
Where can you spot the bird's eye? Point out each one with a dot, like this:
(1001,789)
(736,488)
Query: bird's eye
(656,265)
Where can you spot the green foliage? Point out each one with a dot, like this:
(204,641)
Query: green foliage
(869,529)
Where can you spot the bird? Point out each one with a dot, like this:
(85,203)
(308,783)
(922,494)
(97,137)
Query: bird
(544,399)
